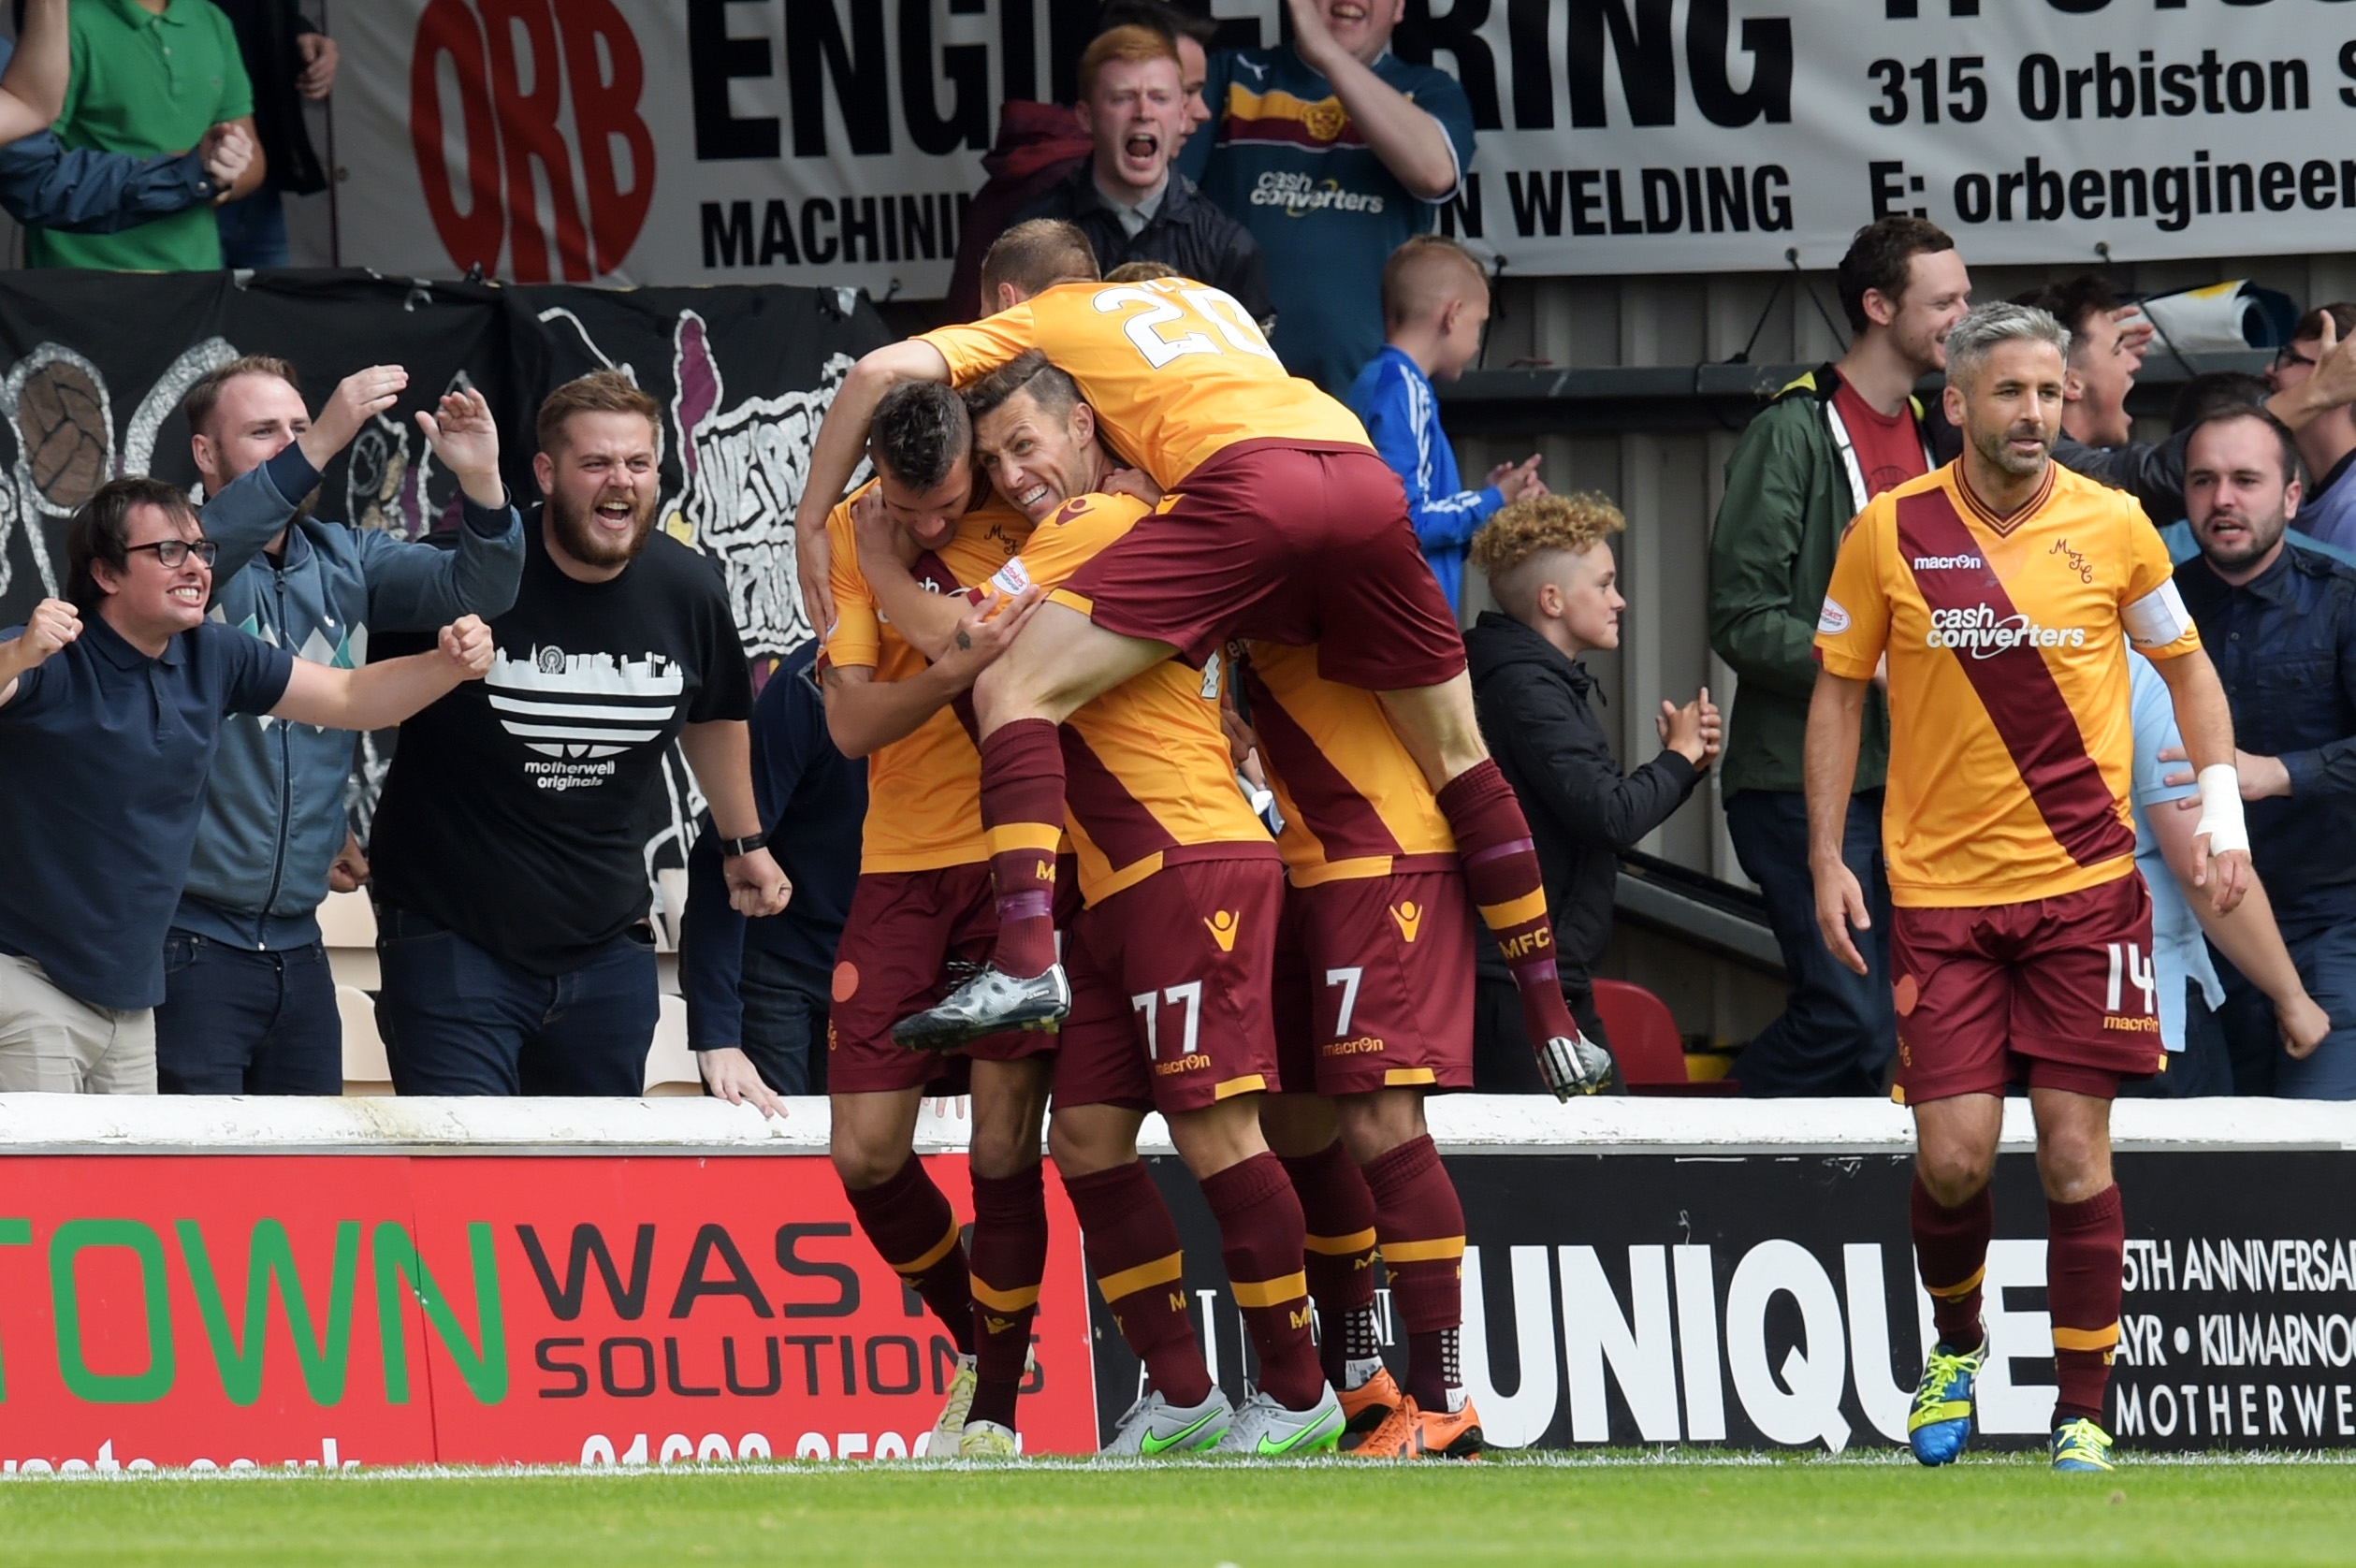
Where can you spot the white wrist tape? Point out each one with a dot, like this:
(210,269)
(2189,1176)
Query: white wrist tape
(2221,809)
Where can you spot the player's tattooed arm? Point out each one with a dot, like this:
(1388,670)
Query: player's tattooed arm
(865,714)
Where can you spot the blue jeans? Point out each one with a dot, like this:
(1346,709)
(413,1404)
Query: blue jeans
(254,230)
(2326,961)
(786,1005)
(237,1022)
(458,1020)
(1836,1032)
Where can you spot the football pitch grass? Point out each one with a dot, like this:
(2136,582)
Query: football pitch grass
(1647,1510)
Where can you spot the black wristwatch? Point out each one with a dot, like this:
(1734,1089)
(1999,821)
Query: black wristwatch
(732,848)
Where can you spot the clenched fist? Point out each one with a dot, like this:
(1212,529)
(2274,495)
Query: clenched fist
(466,642)
(53,624)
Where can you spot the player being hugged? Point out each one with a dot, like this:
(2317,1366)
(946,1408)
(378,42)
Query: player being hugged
(2004,591)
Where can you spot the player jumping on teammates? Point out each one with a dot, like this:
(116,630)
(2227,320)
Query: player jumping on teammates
(2004,591)
(924,896)
(1170,966)
(1284,524)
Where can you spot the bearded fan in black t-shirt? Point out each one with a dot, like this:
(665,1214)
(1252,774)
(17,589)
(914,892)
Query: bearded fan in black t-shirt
(509,846)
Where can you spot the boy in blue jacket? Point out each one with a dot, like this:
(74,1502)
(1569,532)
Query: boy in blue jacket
(1435,305)
(249,1005)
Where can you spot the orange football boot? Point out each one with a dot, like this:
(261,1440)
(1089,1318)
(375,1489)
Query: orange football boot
(1409,1432)
(1368,1405)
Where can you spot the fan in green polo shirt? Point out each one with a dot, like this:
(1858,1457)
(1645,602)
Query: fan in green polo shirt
(149,77)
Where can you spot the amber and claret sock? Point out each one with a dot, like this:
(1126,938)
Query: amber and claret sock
(1501,871)
(1950,1250)
(1260,1240)
(1421,1223)
(1339,1212)
(1010,1259)
(909,1222)
(2085,1244)
(1022,821)
(1131,1244)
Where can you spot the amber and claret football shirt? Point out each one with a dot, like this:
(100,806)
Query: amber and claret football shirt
(1177,370)
(1148,781)
(1353,800)
(923,789)
(2011,748)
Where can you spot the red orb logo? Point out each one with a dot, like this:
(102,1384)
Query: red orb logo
(576,126)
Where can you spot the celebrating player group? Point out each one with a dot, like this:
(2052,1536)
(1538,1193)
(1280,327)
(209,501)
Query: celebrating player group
(1109,547)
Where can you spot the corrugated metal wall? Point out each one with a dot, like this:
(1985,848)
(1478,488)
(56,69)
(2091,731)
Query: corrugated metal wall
(1670,484)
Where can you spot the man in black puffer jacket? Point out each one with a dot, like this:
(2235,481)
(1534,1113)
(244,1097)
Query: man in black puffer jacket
(1550,563)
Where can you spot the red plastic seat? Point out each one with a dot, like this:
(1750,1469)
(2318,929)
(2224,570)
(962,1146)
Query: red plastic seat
(1645,1043)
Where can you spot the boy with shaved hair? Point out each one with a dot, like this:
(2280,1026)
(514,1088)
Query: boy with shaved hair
(1435,307)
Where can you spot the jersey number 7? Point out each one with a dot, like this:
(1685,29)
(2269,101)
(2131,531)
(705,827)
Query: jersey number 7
(1195,311)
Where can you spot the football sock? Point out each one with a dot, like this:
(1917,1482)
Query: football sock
(1261,1233)
(1339,1212)
(2085,1247)
(1132,1249)
(1421,1223)
(911,1225)
(1951,1251)
(1501,870)
(1022,821)
(1009,1259)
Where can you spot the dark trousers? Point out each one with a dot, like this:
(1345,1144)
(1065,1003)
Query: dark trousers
(1504,1062)
(237,1022)
(459,1020)
(2204,1066)
(1836,1032)
(2326,961)
(786,1005)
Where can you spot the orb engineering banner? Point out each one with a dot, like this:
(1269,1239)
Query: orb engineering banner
(837,141)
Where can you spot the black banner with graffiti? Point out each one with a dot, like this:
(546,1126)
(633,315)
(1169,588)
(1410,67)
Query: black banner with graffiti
(1764,1302)
(97,365)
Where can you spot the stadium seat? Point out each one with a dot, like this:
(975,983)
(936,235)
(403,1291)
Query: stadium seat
(347,927)
(364,1069)
(1645,1043)
(670,1068)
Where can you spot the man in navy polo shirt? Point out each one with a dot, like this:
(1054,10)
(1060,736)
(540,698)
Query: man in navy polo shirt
(110,709)
(1332,151)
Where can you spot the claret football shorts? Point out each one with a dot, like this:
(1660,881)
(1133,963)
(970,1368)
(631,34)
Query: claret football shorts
(1375,980)
(2056,992)
(903,925)
(1171,989)
(1296,544)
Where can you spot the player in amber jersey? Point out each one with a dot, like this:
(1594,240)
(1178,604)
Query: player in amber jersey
(1374,1010)
(1170,966)
(924,897)
(2004,592)
(1281,523)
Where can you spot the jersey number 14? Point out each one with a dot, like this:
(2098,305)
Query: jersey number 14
(2129,963)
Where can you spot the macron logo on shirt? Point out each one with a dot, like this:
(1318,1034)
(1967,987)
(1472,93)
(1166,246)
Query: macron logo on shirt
(584,704)
(1950,563)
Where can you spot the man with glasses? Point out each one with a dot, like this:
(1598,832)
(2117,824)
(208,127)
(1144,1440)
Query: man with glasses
(111,707)
(2327,443)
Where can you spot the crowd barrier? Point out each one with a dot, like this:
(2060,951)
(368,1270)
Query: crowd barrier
(235,1284)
